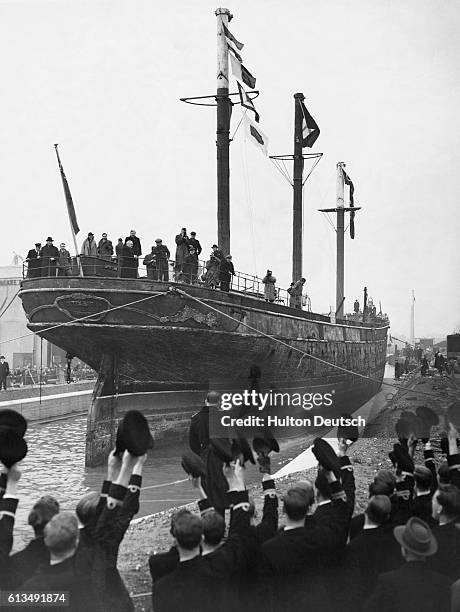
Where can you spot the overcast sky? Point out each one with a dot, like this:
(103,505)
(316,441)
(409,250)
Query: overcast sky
(381,78)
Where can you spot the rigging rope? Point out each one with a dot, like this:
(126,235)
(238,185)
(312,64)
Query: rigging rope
(95,314)
(304,353)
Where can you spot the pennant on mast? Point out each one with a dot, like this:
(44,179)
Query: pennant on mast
(349,182)
(255,135)
(241,73)
(310,129)
(247,102)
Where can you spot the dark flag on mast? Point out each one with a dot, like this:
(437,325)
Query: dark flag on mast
(349,182)
(231,38)
(247,102)
(68,196)
(310,129)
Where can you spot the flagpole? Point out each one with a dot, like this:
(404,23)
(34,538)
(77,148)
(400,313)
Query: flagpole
(80,272)
(340,278)
(223,132)
(297,228)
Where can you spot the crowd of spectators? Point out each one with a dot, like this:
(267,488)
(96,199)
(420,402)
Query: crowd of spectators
(401,554)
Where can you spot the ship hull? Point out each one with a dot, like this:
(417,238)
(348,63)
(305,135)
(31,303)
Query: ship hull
(145,337)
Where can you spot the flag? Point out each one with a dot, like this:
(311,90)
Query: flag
(229,36)
(241,73)
(310,129)
(247,102)
(234,51)
(349,182)
(255,135)
(68,197)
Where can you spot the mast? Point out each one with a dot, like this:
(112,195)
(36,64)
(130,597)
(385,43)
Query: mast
(412,319)
(339,291)
(297,191)
(223,130)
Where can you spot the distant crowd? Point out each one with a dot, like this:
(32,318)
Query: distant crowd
(217,272)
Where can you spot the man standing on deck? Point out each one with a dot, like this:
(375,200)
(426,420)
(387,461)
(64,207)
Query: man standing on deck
(89,247)
(295,291)
(137,249)
(130,262)
(4,371)
(105,248)
(33,261)
(195,243)
(182,241)
(49,255)
(64,261)
(215,484)
(162,256)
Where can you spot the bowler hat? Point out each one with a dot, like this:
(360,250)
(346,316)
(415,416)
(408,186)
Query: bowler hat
(416,537)
(402,458)
(325,455)
(241,449)
(13,447)
(193,464)
(38,244)
(49,239)
(265,445)
(222,448)
(349,432)
(10,419)
(214,246)
(133,434)
(453,414)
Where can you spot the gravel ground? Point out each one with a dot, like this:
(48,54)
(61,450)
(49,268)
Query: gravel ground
(368,455)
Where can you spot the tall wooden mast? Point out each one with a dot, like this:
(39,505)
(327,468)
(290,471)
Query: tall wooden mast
(223,131)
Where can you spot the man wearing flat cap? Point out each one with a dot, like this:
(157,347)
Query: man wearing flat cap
(195,243)
(413,587)
(33,261)
(49,255)
(162,255)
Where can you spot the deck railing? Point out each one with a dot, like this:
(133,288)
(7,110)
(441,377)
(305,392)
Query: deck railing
(112,267)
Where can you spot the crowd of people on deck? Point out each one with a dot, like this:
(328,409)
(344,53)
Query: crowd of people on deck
(98,257)
(401,554)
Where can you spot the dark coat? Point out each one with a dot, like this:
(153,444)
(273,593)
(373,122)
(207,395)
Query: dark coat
(27,561)
(64,577)
(7,512)
(292,562)
(190,268)
(421,507)
(49,255)
(4,370)
(181,250)
(376,551)
(195,243)
(105,248)
(129,263)
(226,270)
(204,583)
(136,244)
(33,263)
(215,484)
(447,560)
(411,588)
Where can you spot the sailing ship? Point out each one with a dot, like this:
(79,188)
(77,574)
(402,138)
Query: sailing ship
(158,346)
